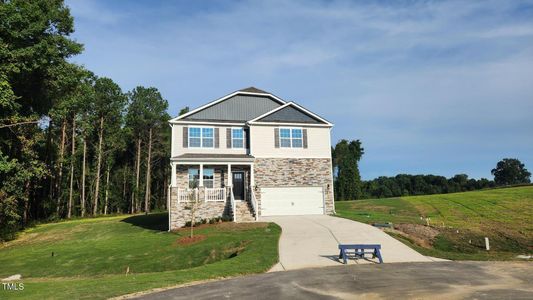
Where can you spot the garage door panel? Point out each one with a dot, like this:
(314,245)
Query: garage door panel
(279,201)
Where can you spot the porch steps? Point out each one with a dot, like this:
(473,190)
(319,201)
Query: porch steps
(244,212)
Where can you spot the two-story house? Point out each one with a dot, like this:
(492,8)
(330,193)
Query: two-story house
(250,154)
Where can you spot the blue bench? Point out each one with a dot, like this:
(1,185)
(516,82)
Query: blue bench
(360,251)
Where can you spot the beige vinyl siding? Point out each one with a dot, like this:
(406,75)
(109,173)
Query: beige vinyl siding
(318,140)
(177,142)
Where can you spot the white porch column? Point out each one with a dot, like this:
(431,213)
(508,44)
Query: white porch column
(252,180)
(230,177)
(173,181)
(201,179)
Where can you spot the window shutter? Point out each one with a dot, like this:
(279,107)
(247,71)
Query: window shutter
(228,138)
(276,137)
(217,136)
(304,134)
(185,137)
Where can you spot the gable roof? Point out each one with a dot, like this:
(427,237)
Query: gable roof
(238,108)
(290,113)
(252,105)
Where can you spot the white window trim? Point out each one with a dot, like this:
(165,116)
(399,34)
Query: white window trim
(243,137)
(201,136)
(290,138)
(189,178)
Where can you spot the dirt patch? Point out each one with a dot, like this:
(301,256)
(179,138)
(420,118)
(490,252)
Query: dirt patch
(420,234)
(187,240)
(226,253)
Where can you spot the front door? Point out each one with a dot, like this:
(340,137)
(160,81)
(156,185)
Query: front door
(238,185)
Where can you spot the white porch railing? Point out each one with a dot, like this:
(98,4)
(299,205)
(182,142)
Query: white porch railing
(232,202)
(187,195)
(215,195)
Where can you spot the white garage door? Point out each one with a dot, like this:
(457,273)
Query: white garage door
(286,201)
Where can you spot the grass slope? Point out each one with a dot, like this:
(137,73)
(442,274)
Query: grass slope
(90,256)
(461,219)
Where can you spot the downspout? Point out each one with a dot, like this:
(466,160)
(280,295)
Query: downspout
(168,205)
(169,208)
(331,168)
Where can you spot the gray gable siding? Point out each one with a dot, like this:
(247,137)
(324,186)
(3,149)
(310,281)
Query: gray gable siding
(290,114)
(240,108)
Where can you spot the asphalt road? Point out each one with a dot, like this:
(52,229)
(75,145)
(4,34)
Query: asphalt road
(428,280)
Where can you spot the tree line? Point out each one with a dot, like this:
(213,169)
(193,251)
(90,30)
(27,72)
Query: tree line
(71,143)
(412,185)
(349,186)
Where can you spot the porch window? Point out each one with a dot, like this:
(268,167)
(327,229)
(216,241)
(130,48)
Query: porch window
(201,137)
(194,178)
(291,138)
(209,178)
(237,138)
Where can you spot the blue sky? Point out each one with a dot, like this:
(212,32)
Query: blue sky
(428,87)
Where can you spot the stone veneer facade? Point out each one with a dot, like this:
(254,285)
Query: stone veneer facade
(268,172)
(285,172)
(181,213)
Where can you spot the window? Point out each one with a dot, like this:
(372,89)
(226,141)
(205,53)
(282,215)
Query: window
(194,178)
(290,138)
(207,138)
(285,138)
(201,137)
(209,178)
(195,137)
(237,138)
(297,138)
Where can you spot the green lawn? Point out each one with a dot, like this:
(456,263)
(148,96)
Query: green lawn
(90,256)
(462,220)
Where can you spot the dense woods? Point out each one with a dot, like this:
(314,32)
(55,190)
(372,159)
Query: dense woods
(71,143)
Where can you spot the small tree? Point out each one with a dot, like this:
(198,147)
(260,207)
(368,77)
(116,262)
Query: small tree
(193,206)
(510,171)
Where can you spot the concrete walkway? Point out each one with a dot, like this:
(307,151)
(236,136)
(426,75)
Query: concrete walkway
(312,241)
(442,280)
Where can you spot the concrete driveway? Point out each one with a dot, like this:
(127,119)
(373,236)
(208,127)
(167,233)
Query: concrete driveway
(312,241)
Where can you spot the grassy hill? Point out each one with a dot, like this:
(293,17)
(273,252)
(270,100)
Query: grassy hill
(459,222)
(89,258)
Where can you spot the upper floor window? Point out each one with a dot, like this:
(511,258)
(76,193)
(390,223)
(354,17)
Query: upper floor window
(291,138)
(201,137)
(237,138)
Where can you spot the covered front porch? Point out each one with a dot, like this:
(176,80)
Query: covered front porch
(221,185)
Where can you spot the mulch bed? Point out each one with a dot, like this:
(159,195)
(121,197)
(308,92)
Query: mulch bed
(187,240)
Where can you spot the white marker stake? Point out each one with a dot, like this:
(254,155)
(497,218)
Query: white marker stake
(487,246)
